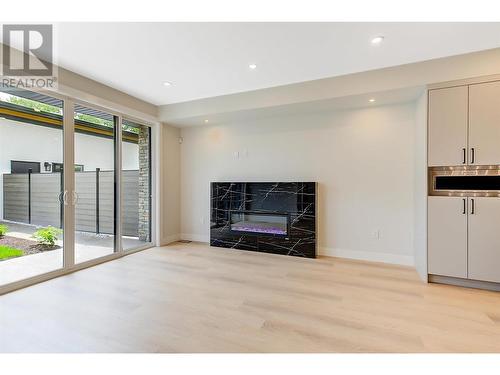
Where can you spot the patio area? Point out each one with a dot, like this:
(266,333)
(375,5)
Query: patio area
(88,246)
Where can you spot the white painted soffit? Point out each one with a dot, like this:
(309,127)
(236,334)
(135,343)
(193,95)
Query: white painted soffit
(92,92)
(381,80)
(318,107)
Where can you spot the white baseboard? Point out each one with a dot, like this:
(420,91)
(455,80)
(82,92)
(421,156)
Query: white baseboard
(195,237)
(371,256)
(170,239)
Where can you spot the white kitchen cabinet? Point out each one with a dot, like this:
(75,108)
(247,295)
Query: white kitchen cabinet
(448,126)
(484,239)
(484,123)
(447,236)
(464,130)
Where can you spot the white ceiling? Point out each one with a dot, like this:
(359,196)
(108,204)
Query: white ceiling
(211,59)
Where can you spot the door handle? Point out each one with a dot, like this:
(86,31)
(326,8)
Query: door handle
(473,155)
(464,211)
(65,197)
(464,156)
(472,209)
(75,198)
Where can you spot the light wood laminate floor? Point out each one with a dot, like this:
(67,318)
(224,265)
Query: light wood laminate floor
(193,298)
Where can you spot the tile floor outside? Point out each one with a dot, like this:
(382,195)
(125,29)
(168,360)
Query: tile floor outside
(87,246)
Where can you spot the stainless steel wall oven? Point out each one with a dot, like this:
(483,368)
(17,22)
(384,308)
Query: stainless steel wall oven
(474,181)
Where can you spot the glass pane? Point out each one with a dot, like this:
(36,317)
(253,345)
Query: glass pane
(94,183)
(31,209)
(136,185)
(262,223)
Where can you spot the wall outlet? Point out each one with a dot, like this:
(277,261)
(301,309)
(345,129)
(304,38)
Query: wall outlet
(376,234)
(236,154)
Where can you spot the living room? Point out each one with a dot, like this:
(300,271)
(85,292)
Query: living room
(250,187)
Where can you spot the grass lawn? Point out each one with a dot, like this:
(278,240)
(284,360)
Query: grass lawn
(7,252)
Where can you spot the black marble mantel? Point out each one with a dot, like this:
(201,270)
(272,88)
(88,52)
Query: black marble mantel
(296,200)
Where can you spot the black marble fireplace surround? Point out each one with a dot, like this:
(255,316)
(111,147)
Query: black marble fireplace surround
(270,217)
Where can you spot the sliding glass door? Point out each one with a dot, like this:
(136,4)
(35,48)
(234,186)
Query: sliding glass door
(136,185)
(32,195)
(75,185)
(95,183)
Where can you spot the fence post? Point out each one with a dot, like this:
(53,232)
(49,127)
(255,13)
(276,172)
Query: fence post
(30,171)
(97,171)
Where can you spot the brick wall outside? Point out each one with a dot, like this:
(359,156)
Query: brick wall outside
(144,193)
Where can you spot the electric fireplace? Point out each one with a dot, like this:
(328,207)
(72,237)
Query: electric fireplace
(263,223)
(270,217)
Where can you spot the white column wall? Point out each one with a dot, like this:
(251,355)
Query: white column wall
(420,188)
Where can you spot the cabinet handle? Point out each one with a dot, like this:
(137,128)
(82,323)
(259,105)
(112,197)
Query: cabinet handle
(464,211)
(464,156)
(472,206)
(473,155)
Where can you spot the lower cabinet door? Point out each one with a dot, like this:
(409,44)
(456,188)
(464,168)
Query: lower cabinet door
(447,236)
(484,239)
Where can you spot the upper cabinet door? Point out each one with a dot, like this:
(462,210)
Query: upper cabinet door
(448,126)
(484,239)
(484,123)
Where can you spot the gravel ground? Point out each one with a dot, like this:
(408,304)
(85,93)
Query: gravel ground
(28,246)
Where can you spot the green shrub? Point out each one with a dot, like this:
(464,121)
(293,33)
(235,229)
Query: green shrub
(7,252)
(47,236)
(3,229)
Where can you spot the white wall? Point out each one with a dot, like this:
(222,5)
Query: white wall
(28,142)
(420,240)
(169,184)
(363,160)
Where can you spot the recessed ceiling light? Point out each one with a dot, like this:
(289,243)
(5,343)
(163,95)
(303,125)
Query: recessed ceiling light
(377,40)
(206,121)
(167,83)
(252,66)
(371,100)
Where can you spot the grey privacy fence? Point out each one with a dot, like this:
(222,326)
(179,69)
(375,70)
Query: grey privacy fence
(34,198)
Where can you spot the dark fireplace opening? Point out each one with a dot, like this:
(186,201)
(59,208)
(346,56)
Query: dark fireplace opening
(261,223)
